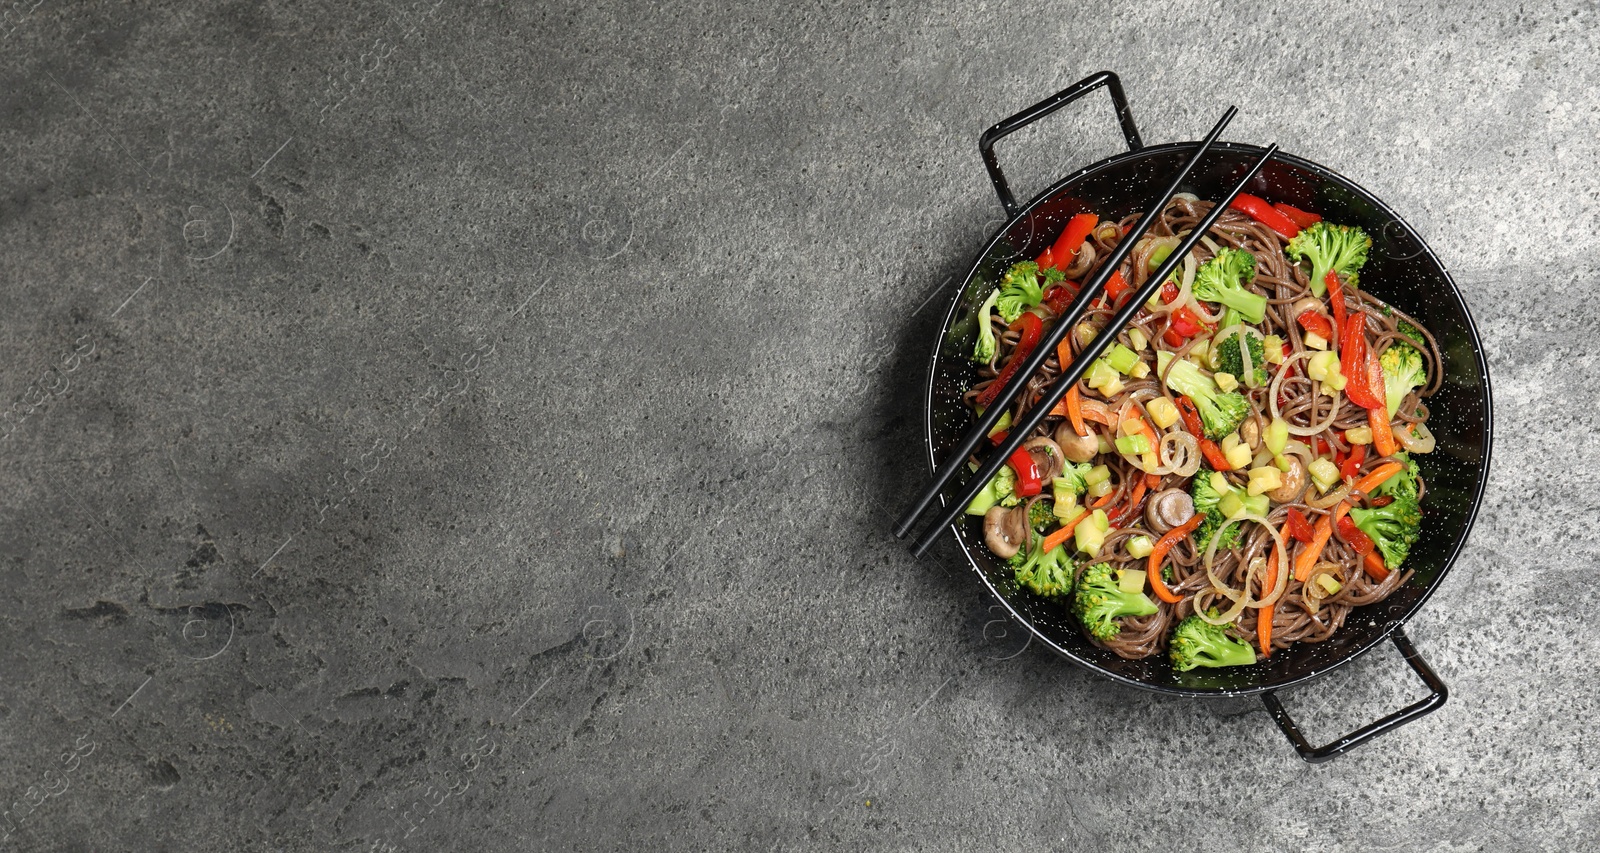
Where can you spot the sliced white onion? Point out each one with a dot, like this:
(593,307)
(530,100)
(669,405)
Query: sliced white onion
(1184,285)
(1241,598)
(1179,453)
(1422,442)
(1277,385)
(1330,498)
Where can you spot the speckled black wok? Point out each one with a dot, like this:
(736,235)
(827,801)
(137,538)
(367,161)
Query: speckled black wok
(1401,270)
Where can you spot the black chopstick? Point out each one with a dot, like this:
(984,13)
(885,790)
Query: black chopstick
(1070,375)
(1091,289)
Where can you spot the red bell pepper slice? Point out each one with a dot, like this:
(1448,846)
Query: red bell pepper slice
(1191,417)
(1116,286)
(1257,208)
(1299,526)
(1065,249)
(1059,298)
(1032,327)
(1302,218)
(1352,463)
(1029,483)
(1208,448)
(1185,323)
(1214,455)
(1360,542)
(1316,324)
(1362,375)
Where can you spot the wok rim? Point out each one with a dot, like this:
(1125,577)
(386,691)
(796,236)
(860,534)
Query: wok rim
(1485,389)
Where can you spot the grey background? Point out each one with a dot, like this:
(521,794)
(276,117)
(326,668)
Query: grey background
(476,426)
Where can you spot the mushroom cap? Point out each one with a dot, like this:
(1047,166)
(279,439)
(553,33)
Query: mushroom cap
(1048,456)
(1168,508)
(1005,530)
(1294,482)
(1077,448)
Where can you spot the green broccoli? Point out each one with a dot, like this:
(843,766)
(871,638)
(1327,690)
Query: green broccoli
(1231,360)
(1098,602)
(1048,575)
(1074,476)
(1403,484)
(1226,278)
(1196,642)
(1410,331)
(1040,515)
(1000,490)
(1340,248)
(1402,371)
(1220,412)
(1393,527)
(1020,289)
(983,352)
(1203,491)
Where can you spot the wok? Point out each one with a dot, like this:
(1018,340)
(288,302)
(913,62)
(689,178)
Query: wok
(1401,270)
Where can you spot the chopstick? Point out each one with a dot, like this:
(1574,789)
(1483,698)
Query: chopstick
(1091,289)
(1070,375)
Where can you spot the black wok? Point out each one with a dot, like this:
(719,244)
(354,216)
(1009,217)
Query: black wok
(1402,270)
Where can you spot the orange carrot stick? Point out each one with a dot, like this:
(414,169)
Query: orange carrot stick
(1377,477)
(1374,566)
(1163,545)
(1264,614)
(1382,436)
(1319,540)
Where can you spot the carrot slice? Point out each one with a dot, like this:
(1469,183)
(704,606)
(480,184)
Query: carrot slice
(1319,540)
(1264,614)
(1377,476)
(1382,436)
(1163,545)
(1373,564)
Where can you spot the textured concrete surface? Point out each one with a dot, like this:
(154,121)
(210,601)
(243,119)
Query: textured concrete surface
(475,426)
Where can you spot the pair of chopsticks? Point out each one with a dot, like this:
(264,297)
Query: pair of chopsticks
(1070,374)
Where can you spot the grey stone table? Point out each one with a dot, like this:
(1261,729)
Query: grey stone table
(437,426)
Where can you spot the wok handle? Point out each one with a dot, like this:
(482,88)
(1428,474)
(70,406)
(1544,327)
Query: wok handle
(1317,755)
(1130,131)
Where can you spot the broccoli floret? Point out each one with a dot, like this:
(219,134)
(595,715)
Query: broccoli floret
(1074,475)
(1000,490)
(983,351)
(1040,515)
(1196,642)
(1206,497)
(1402,371)
(1046,574)
(1403,484)
(1393,527)
(1410,331)
(1220,413)
(1225,279)
(1231,360)
(1340,248)
(1020,289)
(1099,602)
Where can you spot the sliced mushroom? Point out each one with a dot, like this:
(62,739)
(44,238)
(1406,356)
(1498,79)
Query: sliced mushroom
(1005,530)
(1048,457)
(1168,509)
(1294,482)
(1077,448)
(1250,431)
